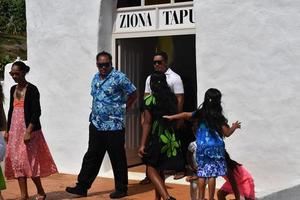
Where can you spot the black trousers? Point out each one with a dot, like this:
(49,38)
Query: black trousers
(99,142)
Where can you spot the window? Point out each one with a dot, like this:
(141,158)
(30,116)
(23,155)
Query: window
(131,3)
(153,2)
(128,3)
(177,1)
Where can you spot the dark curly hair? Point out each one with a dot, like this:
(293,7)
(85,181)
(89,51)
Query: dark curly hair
(162,54)
(166,101)
(22,66)
(231,164)
(211,111)
(104,53)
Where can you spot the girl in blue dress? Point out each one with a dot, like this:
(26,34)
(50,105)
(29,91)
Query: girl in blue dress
(212,128)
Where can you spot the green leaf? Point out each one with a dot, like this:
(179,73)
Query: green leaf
(173,137)
(153,100)
(164,138)
(154,126)
(148,100)
(168,134)
(164,149)
(176,144)
(174,152)
(169,152)
(146,97)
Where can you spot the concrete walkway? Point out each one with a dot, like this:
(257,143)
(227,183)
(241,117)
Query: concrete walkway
(55,188)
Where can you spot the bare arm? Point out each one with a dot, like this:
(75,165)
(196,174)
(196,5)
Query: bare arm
(27,135)
(183,115)
(30,128)
(189,158)
(180,101)
(146,126)
(233,183)
(228,131)
(131,99)
(142,113)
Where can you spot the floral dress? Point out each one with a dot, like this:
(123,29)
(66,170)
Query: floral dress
(163,150)
(210,152)
(31,159)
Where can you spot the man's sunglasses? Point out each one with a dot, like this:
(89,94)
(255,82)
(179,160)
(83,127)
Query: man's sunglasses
(103,65)
(157,62)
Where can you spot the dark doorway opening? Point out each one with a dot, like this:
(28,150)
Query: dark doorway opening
(134,57)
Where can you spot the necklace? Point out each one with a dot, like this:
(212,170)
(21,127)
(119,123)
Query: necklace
(20,92)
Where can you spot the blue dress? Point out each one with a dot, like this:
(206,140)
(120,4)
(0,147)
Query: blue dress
(210,153)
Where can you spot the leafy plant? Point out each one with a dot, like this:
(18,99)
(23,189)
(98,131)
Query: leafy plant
(12,16)
(3,62)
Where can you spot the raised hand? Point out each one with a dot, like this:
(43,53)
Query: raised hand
(236,125)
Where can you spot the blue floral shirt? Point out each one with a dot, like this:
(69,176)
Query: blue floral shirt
(109,100)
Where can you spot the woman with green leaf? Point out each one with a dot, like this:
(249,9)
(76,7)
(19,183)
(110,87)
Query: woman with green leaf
(160,149)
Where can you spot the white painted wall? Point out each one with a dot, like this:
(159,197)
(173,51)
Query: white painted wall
(62,46)
(250,51)
(62,43)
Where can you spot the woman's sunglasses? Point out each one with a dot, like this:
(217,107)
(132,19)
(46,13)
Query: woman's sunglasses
(14,73)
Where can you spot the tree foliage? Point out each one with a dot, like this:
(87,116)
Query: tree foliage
(13,17)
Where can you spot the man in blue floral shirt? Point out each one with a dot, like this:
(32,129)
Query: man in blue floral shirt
(112,94)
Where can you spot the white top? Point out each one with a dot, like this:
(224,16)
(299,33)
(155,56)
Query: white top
(174,81)
(193,148)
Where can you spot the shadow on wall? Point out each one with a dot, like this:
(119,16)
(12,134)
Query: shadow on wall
(290,194)
(106,17)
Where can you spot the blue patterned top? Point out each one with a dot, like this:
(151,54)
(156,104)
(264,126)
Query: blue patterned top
(109,100)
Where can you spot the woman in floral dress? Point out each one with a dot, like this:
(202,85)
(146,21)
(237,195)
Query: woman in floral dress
(160,148)
(28,155)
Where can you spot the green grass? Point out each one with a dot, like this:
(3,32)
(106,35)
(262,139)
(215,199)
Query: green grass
(11,47)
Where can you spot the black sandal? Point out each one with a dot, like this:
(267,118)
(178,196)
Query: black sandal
(40,197)
(145,181)
(171,198)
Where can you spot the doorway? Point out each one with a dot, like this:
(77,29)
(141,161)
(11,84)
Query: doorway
(134,57)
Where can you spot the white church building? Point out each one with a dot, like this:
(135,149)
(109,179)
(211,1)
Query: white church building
(249,50)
